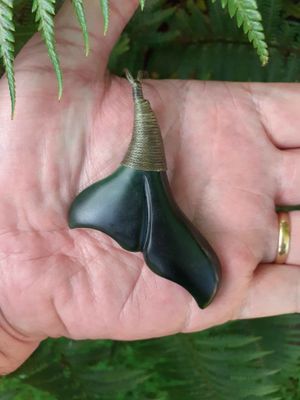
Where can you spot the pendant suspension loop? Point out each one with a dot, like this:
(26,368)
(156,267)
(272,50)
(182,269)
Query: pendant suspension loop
(136,85)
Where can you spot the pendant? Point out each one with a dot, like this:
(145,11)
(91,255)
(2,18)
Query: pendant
(136,208)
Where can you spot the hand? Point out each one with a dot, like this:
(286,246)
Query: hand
(232,152)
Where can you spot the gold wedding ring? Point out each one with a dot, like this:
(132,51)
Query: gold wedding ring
(284,237)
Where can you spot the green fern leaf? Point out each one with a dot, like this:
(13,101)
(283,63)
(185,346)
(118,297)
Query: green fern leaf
(79,10)
(105,13)
(44,11)
(7,46)
(248,16)
(142,3)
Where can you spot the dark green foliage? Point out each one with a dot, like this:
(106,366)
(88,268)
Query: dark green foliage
(189,41)
(250,360)
(70,370)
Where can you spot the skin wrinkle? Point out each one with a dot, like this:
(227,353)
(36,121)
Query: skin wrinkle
(36,231)
(246,303)
(258,194)
(186,89)
(34,282)
(169,132)
(187,320)
(236,105)
(214,143)
(103,89)
(158,105)
(57,251)
(41,277)
(256,104)
(12,332)
(6,356)
(132,289)
(99,98)
(82,74)
(107,165)
(43,162)
(209,178)
(118,13)
(256,259)
(88,261)
(62,29)
(35,42)
(77,176)
(38,258)
(85,78)
(61,321)
(184,93)
(238,314)
(286,170)
(257,107)
(238,311)
(106,242)
(63,42)
(130,294)
(117,258)
(45,69)
(70,289)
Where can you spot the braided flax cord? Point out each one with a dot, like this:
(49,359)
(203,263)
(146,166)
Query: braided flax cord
(146,149)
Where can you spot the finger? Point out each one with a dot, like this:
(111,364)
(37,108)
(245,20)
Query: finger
(275,290)
(278,105)
(14,349)
(294,252)
(69,38)
(289,188)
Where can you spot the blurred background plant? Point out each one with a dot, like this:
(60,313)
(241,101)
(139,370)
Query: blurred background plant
(257,359)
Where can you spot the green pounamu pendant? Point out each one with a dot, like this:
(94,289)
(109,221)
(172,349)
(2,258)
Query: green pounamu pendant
(136,208)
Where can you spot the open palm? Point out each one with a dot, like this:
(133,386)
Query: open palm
(232,155)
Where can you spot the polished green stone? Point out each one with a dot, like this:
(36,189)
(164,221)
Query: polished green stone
(136,208)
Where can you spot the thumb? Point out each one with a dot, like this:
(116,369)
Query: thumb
(69,35)
(14,348)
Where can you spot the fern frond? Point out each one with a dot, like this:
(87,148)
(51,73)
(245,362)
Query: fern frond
(142,3)
(271,15)
(215,364)
(44,11)
(105,13)
(7,46)
(248,16)
(71,370)
(79,10)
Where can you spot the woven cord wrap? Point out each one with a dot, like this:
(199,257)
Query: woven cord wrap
(146,149)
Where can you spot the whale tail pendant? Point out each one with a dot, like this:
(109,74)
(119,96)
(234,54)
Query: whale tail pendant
(136,208)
